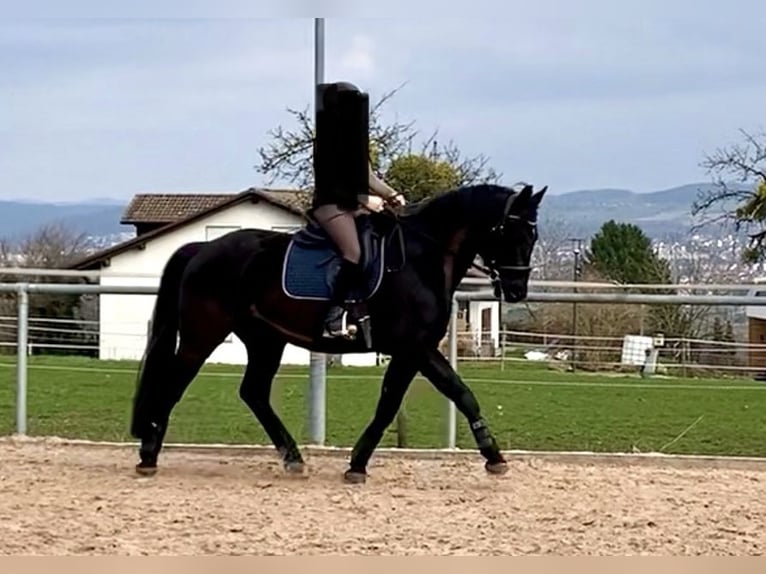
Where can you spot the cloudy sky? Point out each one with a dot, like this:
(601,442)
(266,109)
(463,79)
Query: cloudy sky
(585,94)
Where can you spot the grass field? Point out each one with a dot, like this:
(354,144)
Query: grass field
(528,407)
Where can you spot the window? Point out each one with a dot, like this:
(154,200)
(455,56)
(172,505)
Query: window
(215,231)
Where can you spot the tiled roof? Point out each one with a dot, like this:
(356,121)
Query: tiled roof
(172,207)
(169,207)
(300,200)
(175,210)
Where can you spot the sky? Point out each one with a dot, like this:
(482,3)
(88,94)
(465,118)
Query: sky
(573,95)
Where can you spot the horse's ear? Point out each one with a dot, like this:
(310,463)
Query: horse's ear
(538,197)
(524,195)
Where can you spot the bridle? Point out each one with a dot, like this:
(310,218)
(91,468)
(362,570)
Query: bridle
(492,268)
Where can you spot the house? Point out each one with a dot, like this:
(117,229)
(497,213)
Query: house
(163,222)
(756,326)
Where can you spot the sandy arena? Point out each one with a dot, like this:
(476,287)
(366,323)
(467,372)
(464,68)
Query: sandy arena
(63,499)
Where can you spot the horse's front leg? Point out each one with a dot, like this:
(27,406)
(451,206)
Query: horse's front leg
(443,377)
(399,374)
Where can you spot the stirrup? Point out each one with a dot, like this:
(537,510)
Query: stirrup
(347,331)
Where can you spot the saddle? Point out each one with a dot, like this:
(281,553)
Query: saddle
(312,259)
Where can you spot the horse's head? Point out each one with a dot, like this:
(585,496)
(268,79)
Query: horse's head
(507,250)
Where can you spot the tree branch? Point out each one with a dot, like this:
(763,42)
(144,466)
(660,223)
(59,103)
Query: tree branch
(288,156)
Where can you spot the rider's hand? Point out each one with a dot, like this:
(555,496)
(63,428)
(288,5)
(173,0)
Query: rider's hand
(398,198)
(374,203)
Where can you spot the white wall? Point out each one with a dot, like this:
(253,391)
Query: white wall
(124,319)
(756,311)
(475,310)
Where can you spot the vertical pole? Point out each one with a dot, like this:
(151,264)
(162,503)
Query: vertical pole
(21,359)
(451,413)
(501,331)
(318,52)
(317,362)
(575,276)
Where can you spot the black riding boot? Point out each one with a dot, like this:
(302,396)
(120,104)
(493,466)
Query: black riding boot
(335,321)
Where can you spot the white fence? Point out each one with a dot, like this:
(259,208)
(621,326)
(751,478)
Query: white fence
(316,408)
(679,355)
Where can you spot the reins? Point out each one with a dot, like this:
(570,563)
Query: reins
(490,270)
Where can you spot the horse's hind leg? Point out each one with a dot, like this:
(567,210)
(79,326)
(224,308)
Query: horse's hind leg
(264,351)
(198,338)
(182,369)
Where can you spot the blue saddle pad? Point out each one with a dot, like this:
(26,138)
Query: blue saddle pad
(312,261)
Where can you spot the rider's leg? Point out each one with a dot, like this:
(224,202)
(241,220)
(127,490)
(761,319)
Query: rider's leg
(339,224)
(341,227)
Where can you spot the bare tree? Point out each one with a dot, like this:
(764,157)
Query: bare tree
(288,156)
(548,255)
(738,198)
(598,331)
(52,246)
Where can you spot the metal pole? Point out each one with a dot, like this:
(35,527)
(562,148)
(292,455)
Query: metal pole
(501,331)
(626,298)
(317,361)
(577,244)
(451,412)
(21,359)
(480,295)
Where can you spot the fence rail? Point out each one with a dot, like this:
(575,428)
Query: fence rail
(503,346)
(24,289)
(468,281)
(627,298)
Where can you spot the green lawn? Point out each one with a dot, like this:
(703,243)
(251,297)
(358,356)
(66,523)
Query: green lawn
(528,407)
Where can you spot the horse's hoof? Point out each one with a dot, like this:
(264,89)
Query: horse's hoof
(295,467)
(496,467)
(146,470)
(354,477)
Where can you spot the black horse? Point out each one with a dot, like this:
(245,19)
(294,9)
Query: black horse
(269,288)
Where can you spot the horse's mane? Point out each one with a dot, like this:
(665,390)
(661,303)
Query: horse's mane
(458,202)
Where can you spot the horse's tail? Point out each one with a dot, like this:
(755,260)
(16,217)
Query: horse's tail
(161,343)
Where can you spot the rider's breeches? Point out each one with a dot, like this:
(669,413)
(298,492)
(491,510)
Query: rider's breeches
(339,224)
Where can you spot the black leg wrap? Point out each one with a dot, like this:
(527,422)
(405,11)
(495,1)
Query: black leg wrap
(482,435)
(486,442)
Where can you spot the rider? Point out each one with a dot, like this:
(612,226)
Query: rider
(344,179)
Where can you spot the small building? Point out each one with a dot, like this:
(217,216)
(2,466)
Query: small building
(164,222)
(756,327)
(478,321)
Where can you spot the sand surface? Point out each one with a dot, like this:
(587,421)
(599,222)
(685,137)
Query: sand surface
(63,499)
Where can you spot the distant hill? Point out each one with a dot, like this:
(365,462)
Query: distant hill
(96,218)
(661,214)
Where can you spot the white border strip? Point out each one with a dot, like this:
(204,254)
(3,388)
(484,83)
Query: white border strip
(679,461)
